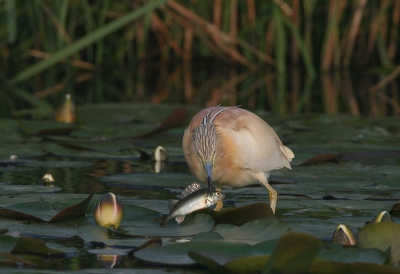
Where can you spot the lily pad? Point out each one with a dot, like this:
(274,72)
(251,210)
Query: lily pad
(177,254)
(58,150)
(254,231)
(7,243)
(43,212)
(45,127)
(18,189)
(240,215)
(294,253)
(191,226)
(143,180)
(384,236)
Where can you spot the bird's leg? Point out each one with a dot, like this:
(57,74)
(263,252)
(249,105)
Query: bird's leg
(273,196)
(220,204)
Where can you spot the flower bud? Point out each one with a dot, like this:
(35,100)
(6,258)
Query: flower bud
(109,211)
(48,180)
(109,260)
(160,154)
(384,216)
(66,112)
(344,235)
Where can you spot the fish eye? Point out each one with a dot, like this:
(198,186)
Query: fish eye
(218,193)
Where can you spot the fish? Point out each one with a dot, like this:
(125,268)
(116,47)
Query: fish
(193,199)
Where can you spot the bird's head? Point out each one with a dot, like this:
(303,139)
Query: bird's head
(205,140)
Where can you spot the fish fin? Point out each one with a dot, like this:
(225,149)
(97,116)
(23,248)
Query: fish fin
(179,219)
(190,189)
(172,203)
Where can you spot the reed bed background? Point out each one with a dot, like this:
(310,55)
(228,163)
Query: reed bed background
(261,54)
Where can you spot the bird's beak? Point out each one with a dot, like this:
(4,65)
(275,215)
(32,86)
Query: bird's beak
(208,169)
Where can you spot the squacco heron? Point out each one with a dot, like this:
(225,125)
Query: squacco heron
(233,147)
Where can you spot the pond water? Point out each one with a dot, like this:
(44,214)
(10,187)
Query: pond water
(353,176)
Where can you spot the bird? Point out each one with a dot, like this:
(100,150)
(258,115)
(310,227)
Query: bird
(231,147)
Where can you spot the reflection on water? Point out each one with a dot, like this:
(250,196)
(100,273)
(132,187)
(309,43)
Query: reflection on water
(209,83)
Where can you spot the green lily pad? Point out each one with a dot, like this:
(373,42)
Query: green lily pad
(58,150)
(240,215)
(28,150)
(28,245)
(96,234)
(57,164)
(191,226)
(384,236)
(353,254)
(177,254)
(18,189)
(7,243)
(294,253)
(151,179)
(45,127)
(254,231)
(43,212)
(322,266)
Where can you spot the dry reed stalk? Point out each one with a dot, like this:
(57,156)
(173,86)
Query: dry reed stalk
(295,90)
(188,89)
(394,30)
(160,27)
(269,38)
(251,12)
(60,28)
(348,93)
(257,84)
(394,88)
(75,62)
(188,36)
(60,86)
(296,23)
(233,19)
(232,89)
(163,93)
(218,94)
(349,40)
(217,13)
(222,40)
(375,27)
(331,50)
(330,93)
(375,88)
(286,9)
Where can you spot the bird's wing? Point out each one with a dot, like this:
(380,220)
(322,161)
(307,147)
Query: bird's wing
(261,148)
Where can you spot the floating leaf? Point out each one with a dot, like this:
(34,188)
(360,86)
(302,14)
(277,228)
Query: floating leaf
(384,236)
(322,266)
(294,253)
(35,246)
(39,127)
(240,215)
(143,180)
(58,150)
(177,254)
(191,226)
(7,243)
(43,212)
(353,254)
(254,231)
(17,189)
